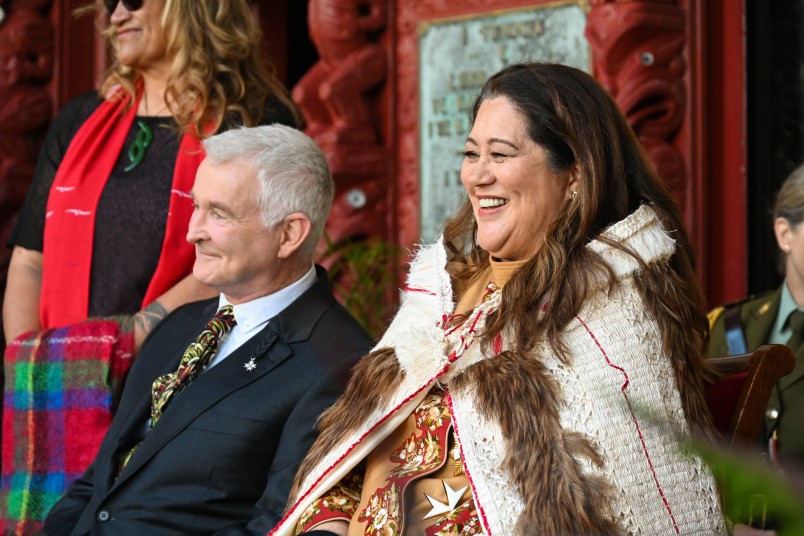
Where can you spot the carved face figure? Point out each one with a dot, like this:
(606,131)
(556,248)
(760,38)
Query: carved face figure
(515,194)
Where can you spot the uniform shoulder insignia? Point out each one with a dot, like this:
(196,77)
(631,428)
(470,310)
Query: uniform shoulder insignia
(743,301)
(714,314)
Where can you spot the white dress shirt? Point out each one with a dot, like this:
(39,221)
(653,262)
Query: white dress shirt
(254,315)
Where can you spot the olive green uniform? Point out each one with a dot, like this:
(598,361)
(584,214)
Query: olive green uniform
(785,413)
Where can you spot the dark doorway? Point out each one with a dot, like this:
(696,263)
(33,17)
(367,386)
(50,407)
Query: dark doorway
(286,37)
(775,115)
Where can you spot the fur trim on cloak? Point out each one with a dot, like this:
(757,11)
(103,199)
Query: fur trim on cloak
(522,395)
(544,460)
(373,380)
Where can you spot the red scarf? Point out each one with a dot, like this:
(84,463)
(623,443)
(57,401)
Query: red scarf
(71,209)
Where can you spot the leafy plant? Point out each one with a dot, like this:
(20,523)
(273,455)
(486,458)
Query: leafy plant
(752,492)
(364,278)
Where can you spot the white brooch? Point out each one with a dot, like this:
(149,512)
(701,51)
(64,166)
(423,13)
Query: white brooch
(250,365)
(453,498)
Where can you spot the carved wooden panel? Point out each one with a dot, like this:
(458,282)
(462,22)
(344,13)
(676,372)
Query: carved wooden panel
(638,55)
(26,65)
(339,98)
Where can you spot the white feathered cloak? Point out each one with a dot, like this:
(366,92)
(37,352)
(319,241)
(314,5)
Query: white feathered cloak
(619,393)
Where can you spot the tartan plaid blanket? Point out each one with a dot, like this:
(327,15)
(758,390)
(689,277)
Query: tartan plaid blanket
(60,388)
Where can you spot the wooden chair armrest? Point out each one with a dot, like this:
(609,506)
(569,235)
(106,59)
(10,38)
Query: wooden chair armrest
(763,368)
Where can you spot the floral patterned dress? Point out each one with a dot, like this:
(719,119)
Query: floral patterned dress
(423,469)
(414,481)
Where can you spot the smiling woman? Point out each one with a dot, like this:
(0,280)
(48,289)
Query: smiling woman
(140,39)
(548,354)
(102,231)
(516,195)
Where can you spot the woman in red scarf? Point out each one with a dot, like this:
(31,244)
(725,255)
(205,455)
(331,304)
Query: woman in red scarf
(102,232)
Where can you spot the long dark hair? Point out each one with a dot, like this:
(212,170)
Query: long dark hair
(574,119)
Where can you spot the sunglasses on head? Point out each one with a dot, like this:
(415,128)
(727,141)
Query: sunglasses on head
(131,5)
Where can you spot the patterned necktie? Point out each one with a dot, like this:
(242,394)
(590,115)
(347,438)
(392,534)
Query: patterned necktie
(195,359)
(797,327)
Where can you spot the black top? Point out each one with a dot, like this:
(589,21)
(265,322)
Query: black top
(132,210)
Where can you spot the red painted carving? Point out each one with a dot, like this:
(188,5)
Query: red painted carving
(26,64)
(338,98)
(332,93)
(406,119)
(637,54)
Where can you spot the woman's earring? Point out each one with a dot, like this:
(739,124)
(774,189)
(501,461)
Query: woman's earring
(573,194)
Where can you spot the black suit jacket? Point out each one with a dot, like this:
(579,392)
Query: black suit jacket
(222,457)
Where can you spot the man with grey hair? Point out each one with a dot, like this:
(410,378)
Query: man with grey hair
(220,407)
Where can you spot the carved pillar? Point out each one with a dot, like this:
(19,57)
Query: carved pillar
(338,98)
(26,65)
(638,55)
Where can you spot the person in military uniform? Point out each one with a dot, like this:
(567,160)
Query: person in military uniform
(775,317)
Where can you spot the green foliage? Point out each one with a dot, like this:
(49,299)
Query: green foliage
(364,278)
(752,491)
